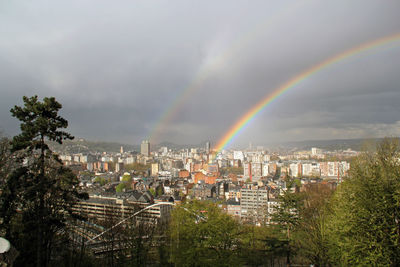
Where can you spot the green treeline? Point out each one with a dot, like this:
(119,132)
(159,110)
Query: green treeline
(233,170)
(137,167)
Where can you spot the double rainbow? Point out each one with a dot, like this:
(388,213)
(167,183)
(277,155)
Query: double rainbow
(172,111)
(246,118)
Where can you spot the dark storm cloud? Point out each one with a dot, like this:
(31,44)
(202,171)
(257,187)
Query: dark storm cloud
(117,67)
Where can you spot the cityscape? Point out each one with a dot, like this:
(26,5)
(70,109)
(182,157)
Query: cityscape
(199,133)
(197,173)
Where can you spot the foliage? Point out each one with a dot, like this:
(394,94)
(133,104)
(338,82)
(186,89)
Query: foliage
(38,194)
(275,157)
(286,214)
(140,237)
(137,167)
(310,234)
(120,187)
(277,173)
(126,181)
(101,180)
(202,235)
(85,146)
(159,190)
(262,246)
(87,174)
(152,191)
(231,170)
(365,225)
(290,203)
(126,178)
(6,164)
(134,241)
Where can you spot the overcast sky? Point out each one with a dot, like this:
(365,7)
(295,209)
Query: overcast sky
(117,67)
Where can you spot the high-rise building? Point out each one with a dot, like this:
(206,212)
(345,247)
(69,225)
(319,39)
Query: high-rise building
(295,169)
(254,204)
(256,171)
(208,147)
(247,170)
(265,169)
(145,148)
(252,171)
(119,166)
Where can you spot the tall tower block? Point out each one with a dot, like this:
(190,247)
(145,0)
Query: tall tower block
(145,148)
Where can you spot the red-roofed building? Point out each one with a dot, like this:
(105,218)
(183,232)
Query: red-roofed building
(184,174)
(210,179)
(199,176)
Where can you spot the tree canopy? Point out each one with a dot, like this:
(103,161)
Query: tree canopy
(202,235)
(365,224)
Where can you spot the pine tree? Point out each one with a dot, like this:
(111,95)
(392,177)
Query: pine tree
(40,192)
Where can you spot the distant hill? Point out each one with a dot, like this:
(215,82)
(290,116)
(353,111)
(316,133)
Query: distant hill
(176,146)
(335,144)
(79,145)
(170,145)
(85,146)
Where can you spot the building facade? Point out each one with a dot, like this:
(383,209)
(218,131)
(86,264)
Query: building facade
(145,148)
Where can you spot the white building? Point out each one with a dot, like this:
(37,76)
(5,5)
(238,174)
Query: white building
(295,169)
(256,206)
(311,169)
(129,160)
(83,159)
(316,151)
(333,169)
(265,169)
(238,155)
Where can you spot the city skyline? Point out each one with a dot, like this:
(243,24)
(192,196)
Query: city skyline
(184,72)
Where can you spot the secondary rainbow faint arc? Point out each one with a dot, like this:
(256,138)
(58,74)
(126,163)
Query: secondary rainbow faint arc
(171,112)
(246,118)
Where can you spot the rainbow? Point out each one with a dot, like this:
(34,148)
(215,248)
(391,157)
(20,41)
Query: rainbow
(212,66)
(246,118)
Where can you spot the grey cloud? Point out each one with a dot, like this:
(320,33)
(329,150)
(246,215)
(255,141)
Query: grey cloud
(117,67)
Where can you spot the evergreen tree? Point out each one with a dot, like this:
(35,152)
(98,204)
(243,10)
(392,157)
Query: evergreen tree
(38,194)
(7,166)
